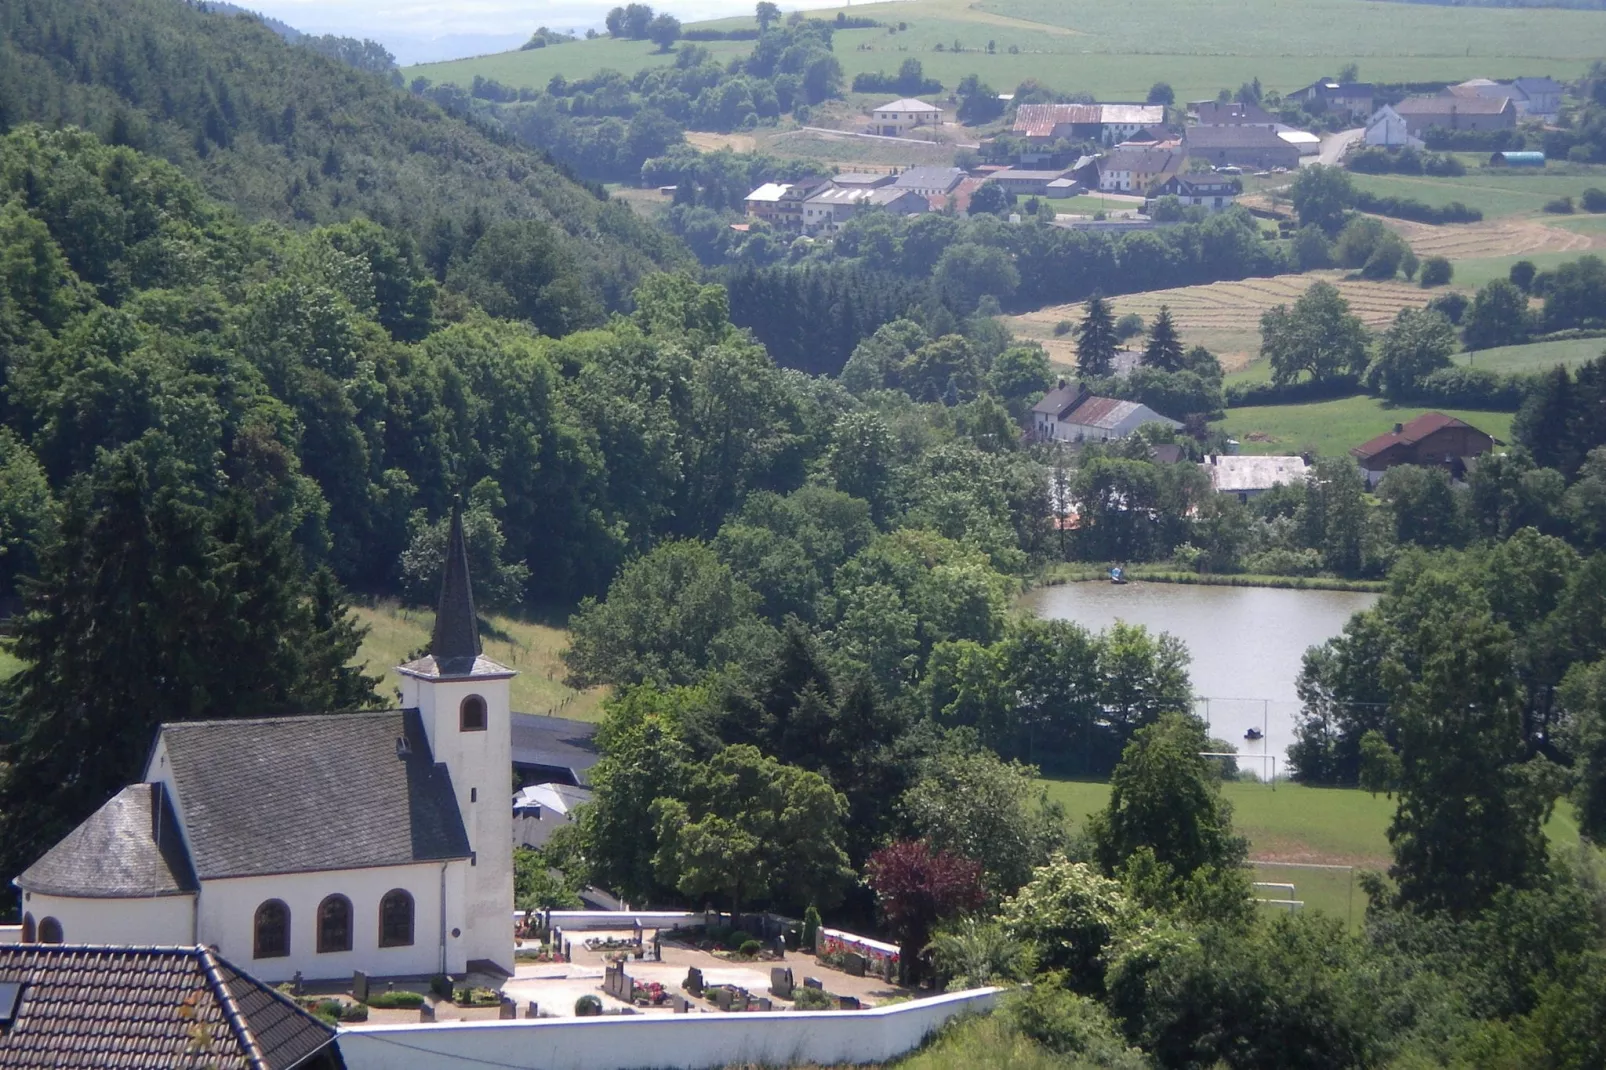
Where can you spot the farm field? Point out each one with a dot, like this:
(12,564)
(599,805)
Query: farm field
(1538,357)
(845,150)
(395,632)
(1474,273)
(1117,52)
(1493,191)
(1330,428)
(1224,317)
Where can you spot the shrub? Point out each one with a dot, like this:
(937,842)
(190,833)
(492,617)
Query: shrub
(811,926)
(1560,206)
(1129,326)
(1437,271)
(811,999)
(388,1000)
(1416,211)
(1471,388)
(1593,200)
(1064,327)
(1452,306)
(441,986)
(587,1006)
(750,948)
(354,1012)
(1242,394)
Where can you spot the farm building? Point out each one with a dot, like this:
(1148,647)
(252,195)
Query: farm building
(1250,477)
(930,181)
(1215,192)
(1538,98)
(1133,169)
(765,202)
(1026,183)
(1326,94)
(1457,113)
(1432,440)
(1389,130)
(1232,113)
(1517,159)
(1239,146)
(829,210)
(894,119)
(1073,414)
(1104,123)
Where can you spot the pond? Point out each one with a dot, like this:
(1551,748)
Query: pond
(1246,642)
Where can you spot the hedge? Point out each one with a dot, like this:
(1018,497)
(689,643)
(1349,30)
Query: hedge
(1241,395)
(1471,388)
(1417,211)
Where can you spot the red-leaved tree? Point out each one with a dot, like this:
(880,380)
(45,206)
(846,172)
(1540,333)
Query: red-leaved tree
(916,888)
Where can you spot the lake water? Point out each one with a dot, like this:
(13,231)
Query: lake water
(1246,642)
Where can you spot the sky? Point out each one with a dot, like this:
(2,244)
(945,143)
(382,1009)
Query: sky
(420,30)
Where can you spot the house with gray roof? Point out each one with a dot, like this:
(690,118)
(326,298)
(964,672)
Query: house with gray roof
(1246,477)
(1070,413)
(76,1007)
(930,181)
(318,844)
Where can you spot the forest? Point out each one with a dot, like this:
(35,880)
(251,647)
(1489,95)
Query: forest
(256,341)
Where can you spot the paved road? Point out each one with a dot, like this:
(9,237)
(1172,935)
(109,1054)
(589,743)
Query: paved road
(1333,147)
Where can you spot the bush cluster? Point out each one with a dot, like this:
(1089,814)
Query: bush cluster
(1414,210)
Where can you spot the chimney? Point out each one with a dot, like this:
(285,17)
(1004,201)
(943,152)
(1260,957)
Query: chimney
(1399,429)
(1062,384)
(403,748)
(1212,460)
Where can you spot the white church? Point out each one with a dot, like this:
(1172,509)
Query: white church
(317,844)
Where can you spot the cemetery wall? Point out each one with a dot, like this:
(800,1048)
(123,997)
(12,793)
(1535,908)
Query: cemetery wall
(661,1042)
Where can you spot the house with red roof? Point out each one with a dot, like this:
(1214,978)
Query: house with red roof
(1433,440)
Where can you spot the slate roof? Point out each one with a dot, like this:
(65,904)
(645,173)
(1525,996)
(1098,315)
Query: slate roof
(1057,402)
(1234,113)
(1448,105)
(860,179)
(554,744)
(1231,137)
(456,641)
(943,178)
(149,1008)
(130,847)
(304,794)
(1532,86)
(1148,161)
(1415,431)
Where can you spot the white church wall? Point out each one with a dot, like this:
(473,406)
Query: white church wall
(668,1042)
(161,919)
(227,915)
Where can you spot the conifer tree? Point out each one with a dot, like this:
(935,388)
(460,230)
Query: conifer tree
(1095,339)
(1164,350)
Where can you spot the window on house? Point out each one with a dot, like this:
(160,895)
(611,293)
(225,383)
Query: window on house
(334,924)
(29,934)
(50,931)
(271,939)
(396,919)
(471,714)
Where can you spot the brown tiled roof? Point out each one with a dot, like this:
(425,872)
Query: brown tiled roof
(148,1008)
(1415,431)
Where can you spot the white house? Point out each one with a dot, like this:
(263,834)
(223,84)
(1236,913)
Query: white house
(1250,477)
(1388,129)
(316,844)
(892,120)
(1072,414)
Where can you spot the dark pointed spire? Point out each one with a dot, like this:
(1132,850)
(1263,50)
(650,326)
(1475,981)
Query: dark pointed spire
(457,631)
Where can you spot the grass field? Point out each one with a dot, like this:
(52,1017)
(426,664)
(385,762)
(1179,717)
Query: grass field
(1494,192)
(1330,428)
(1538,357)
(395,632)
(846,150)
(1118,51)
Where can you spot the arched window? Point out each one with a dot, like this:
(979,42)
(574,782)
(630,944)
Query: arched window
(471,714)
(396,919)
(334,924)
(29,934)
(50,931)
(271,931)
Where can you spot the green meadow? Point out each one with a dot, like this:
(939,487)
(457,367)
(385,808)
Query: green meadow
(1495,192)
(1330,428)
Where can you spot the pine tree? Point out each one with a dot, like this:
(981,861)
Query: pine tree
(1164,350)
(152,606)
(1095,339)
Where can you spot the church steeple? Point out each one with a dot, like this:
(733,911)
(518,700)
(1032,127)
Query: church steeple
(456,642)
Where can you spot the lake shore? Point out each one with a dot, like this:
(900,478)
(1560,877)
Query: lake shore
(1058,575)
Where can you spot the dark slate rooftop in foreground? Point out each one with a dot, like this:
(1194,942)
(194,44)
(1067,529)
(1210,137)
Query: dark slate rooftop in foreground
(151,1008)
(554,746)
(129,847)
(299,794)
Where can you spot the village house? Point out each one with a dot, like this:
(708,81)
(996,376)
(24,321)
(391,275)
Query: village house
(1232,113)
(1450,112)
(1538,98)
(1024,182)
(900,116)
(1132,169)
(313,845)
(1106,124)
(827,211)
(1432,439)
(142,1007)
(1073,414)
(1250,147)
(930,181)
(1249,477)
(764,203)
(1345,98)
(1202,190)
(789,209)
(1388,129)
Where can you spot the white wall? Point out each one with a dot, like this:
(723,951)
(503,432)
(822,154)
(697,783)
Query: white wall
(165,919)
(227,915)
(668,1042)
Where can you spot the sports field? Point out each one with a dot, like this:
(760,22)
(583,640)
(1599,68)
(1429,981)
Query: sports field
(1117,51)
(1330,428)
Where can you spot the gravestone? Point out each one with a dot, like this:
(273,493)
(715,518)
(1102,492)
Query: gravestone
(532,1009)
(781,982)
(426,1012)
(508,1008)
(694,981)
(847,1003)
(853,964)
(814,982)
(778,946)
(359,986)
(680,1004)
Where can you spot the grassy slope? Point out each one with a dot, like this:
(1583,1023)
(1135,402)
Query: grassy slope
(1330,428)
(1494,192)
(1540,356)
(1118,51)
(395,632)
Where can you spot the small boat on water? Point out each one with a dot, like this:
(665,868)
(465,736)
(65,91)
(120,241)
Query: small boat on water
(1117,575)
(1254,733)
